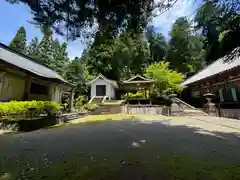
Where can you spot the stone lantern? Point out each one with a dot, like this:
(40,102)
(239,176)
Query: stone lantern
(210,107)
(173,106)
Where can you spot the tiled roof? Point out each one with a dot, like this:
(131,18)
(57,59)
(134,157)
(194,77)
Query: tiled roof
(221,65)
(138,80)
(26,63)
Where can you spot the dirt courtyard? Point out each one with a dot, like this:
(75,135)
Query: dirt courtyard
(204,139)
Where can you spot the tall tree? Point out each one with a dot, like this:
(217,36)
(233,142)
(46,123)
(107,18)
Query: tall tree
(157,44)
(185,48)
(46,51)
(77,73)
(32,48)
(19,41)
(77,15)
(230,34)
(208,19)
(127,53)
(178,51)
(219,22)
(60,58)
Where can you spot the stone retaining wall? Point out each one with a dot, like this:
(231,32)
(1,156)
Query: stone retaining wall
(230,113)
(26,125)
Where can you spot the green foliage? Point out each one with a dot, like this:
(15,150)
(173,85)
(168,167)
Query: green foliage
(77,73)
(167,80)
(90,106)
(61,59)
(49,52)
(18,43)
(80,102)
(157,44)
(136,95)
(207,19)
(185,52)
(46,51)
(25,108)
(79,16)
(118,58)
(32,48)
(230,34)
(219,23)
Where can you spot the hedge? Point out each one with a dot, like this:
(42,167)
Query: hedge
(28,108)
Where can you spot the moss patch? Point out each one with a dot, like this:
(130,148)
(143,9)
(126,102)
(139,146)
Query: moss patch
(5,132)
(122,166)
(113,102)
(114,117)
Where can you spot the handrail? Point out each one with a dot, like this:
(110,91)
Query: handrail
(91,99)
(179,100)
(105,97)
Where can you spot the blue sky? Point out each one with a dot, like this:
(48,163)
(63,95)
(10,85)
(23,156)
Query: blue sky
(12,16)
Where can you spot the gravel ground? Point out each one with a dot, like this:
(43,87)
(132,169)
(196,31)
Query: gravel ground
(178,135)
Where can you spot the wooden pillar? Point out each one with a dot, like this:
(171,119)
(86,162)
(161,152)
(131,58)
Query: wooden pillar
(28,81)
(71,99)
(2,83)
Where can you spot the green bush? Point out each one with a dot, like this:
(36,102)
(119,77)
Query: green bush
(136,95)
(90,106)
(80,101)
(167,80)
(28,108)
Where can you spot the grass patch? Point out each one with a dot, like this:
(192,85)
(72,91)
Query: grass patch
(116,117)
(113,117)
(122,166)
(113,102)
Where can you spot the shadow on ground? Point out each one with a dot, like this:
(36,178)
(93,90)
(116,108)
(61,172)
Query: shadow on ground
(121,143)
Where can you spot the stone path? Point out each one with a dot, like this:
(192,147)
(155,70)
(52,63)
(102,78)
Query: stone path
(231,123)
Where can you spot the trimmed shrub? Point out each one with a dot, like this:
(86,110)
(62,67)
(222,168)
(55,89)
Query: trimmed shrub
(90,106)
(28,108)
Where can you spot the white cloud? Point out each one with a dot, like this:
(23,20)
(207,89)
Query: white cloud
(164,22)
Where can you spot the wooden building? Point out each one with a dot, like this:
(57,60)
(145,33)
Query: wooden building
(221,78)
(22,79)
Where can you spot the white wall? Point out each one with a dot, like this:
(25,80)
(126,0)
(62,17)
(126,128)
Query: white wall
(110,90)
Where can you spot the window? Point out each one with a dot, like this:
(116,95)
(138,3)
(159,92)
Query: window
(227,93)
(38,89)
(220,93)
(234,94)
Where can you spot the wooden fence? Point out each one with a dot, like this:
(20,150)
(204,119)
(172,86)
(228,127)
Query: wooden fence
(145,109)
